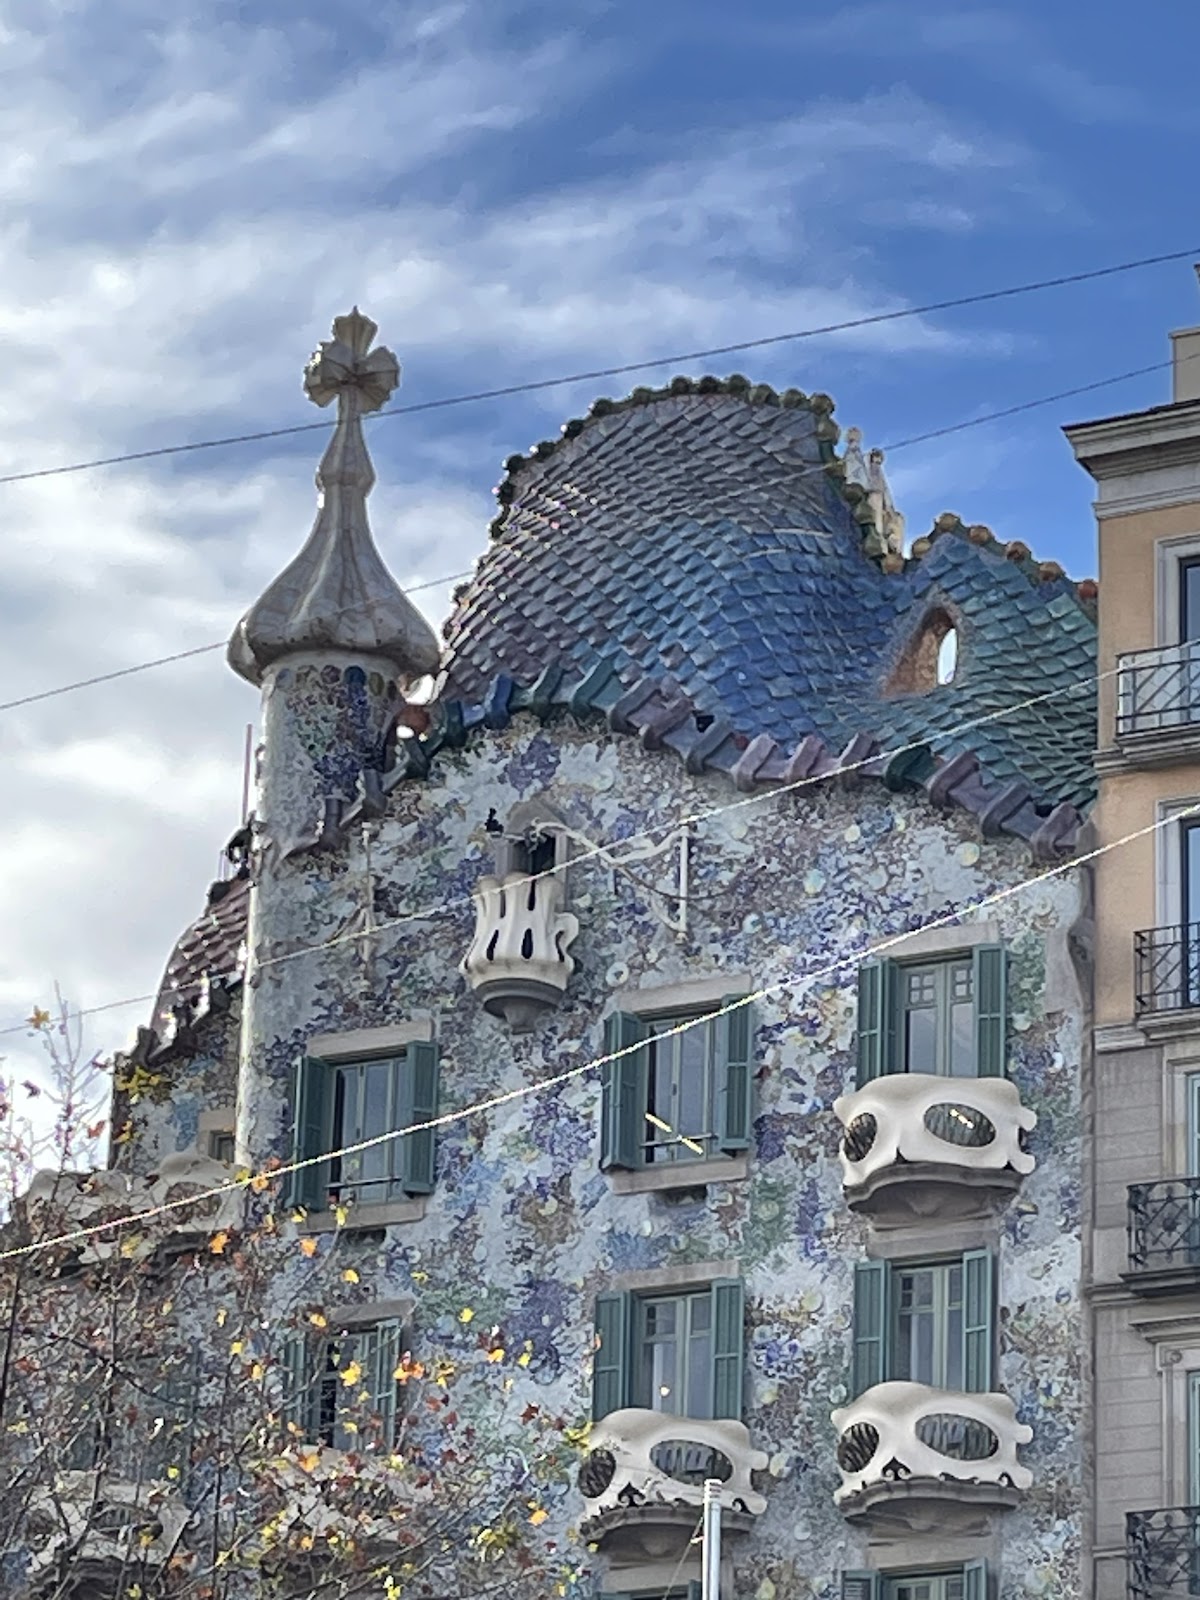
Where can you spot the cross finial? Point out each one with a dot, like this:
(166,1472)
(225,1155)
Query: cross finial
(337,594)
(341,367)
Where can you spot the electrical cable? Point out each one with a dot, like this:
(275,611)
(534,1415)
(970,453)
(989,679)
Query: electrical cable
(874,319)
(822,469)
(264,1177)
(689,820)
(183,655)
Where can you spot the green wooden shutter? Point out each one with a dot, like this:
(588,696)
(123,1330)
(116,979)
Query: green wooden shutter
(298,1386)
(978,1275)
(622,1116)
(613,1358)
(872,1281)
(876,1021)
(695,1590)
(991,1010)
(735,1065)
(381,1359)
(975,1580)
(728,1358)
(310,1134)
(860,1586)
(418,1102)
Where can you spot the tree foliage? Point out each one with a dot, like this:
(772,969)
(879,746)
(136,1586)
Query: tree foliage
(203,1405)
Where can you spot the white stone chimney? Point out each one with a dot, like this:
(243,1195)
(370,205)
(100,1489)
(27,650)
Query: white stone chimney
(1185,364)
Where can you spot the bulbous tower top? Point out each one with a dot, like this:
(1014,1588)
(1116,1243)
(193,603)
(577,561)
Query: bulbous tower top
(338,594)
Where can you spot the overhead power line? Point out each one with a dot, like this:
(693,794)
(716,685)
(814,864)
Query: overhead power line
(799,473)
(874,319)
(854,957)
(757,797)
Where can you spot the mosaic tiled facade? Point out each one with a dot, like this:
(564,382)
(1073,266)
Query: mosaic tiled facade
(663,630)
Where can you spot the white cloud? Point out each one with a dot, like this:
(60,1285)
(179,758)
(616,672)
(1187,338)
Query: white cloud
(173,246)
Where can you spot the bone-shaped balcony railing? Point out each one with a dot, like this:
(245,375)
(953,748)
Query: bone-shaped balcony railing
(973,1123)
(518,960)
(639,1457)
(83,1198)
(897,1431)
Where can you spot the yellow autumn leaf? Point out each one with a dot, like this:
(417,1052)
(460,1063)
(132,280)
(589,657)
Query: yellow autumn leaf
(259,1182)
(350,1276)
(236,1347)
(340,1215)
(38,1018)
(525,1358)
(299,1214)
(257,1371)
(466,1315)
(166,1307)
(308,1247)
(218,1242)
(495,1355)
(222,1317)
(351,1373)
(172,1473)
(420,1277)
(308,1461)
(305,1541)
(18,1427)
(318,1319)
(538,1515)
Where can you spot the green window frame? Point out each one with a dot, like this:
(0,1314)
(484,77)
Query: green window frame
(968,1582)
(322,1407)
(947,1016)
(674,1097)
(142,1426)
(635,1349)
(942,1312)
(340,1103)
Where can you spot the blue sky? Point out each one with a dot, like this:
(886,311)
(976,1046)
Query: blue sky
(512,190)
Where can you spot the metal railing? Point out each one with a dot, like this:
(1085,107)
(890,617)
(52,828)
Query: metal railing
(1164,1225)
(1158,690)
(1166,968)
(1162,1552)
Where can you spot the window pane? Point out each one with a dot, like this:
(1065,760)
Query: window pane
(691,1101)
(658,1365)
(679,1091)
(375,1111)
(699,1357)
(659,1098)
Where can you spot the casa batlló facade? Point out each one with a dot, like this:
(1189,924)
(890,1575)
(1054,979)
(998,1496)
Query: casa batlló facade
(720,789)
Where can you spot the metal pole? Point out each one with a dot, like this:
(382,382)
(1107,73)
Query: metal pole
(710,1573)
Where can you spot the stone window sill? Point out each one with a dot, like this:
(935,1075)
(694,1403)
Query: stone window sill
(670,1175)
(385,1214)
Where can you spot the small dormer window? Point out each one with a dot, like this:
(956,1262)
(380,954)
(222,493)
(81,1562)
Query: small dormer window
(930,658)
(947,656)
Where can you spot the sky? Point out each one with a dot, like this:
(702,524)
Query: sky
(513,190)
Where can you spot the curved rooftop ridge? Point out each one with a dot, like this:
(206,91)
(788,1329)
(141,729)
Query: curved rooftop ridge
(208,958)
(829,434)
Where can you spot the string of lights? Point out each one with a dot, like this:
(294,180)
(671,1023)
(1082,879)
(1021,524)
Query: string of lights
(265,1176)
(673,824)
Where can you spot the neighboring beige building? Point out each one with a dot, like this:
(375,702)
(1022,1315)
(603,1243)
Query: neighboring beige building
(1143,1274)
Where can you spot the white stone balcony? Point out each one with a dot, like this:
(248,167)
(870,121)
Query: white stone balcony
(118,1527)
(912,1137)
(643,1478)
(87,1199)
(901,1444)
(518,962)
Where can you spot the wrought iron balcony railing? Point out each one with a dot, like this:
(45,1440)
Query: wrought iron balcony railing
(1162,1552)
(1166,963)
(1164,1225)
(1158,691)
